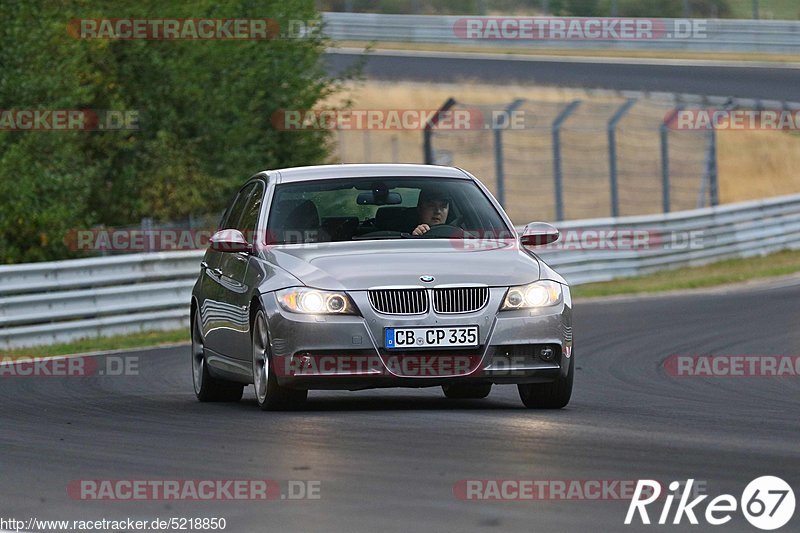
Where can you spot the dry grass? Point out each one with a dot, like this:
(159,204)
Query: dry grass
(758,164)
(752,164)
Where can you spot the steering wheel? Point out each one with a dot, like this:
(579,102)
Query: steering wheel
(443,230)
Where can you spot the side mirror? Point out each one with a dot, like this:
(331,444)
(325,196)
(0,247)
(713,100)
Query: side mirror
(229,240)
(538,233)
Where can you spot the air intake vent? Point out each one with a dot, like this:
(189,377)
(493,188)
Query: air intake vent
(459,299)
(399,301)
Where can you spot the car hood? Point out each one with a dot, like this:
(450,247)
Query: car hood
(367,264)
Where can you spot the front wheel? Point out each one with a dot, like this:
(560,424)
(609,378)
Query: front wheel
(553,395)
(206,387)
(269,394)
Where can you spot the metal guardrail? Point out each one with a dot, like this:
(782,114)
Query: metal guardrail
(46,303)
(61,301)
(719,35)
(723,232)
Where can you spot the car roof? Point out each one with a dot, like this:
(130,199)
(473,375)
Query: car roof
(323,172)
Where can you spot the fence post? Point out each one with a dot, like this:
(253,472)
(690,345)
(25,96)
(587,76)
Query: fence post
(556,133)
(427,133)
(612,153)
(497,129)
(664,131)
(713,191)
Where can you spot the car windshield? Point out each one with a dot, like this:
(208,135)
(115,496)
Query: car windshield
(381,208)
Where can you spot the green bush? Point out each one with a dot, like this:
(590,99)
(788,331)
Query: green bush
(204,116)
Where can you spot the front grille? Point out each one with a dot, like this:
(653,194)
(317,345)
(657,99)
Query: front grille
(460,299)
(399,301)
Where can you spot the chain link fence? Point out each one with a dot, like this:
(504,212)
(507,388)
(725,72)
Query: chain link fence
(582,158)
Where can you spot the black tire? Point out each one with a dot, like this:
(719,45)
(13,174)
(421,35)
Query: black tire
(269,394)
(553,395)
(467,391)
(206,387)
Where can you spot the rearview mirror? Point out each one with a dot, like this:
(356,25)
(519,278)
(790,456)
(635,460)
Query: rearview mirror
(229,240)
(379,197)
(538,233)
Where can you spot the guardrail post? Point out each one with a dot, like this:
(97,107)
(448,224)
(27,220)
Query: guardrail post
(427,133)
(612,153)
(556,133)
(497,129)
(664,131)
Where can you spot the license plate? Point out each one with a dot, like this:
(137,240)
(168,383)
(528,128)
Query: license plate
(439,337)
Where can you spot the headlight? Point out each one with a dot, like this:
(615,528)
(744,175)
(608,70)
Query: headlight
(315,302)
(538,294)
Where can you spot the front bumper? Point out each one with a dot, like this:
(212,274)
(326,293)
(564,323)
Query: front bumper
(347,351)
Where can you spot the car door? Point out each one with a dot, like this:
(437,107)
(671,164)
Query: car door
(234,339)
(219,314)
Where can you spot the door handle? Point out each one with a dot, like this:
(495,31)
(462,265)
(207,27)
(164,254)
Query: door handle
(217,271)
(203,265)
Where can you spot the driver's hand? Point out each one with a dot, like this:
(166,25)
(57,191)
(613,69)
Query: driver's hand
(419,230)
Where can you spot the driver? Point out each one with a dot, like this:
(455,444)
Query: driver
(432,209)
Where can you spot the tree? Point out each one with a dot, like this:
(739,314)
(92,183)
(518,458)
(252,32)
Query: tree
(204,111)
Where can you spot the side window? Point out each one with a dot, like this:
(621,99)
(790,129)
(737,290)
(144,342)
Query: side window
(249,219)
(234,213)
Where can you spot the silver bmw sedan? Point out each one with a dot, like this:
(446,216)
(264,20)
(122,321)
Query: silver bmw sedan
(364,276)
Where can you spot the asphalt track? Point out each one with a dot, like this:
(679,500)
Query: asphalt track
(720,78)
(388,460)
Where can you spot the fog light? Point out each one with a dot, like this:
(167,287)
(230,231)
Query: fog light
(547,353)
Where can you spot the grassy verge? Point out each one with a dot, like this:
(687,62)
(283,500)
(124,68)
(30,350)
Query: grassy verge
(773,9)
(720,273)
(122,342)
(572,52)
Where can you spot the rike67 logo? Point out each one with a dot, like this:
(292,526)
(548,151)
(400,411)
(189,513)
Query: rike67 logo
(767,503)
